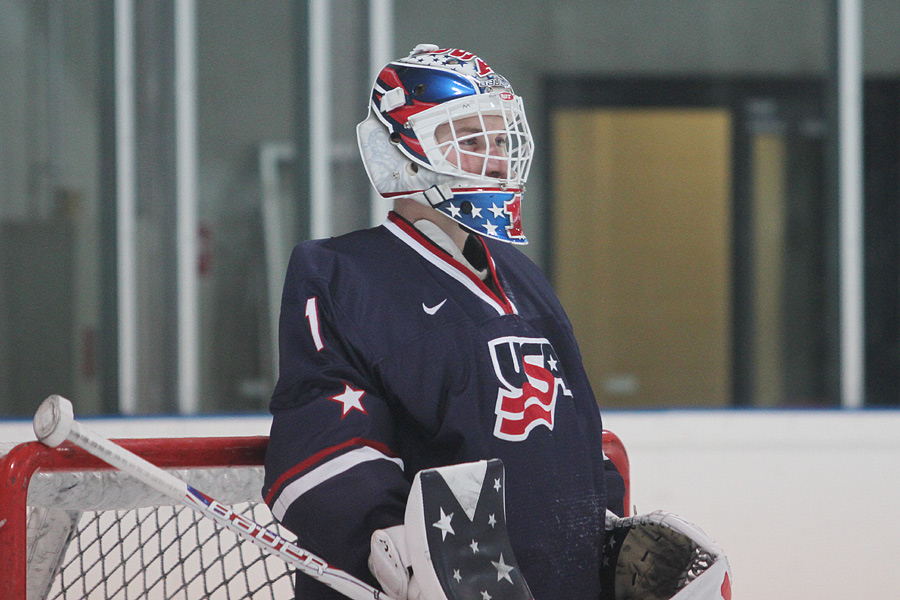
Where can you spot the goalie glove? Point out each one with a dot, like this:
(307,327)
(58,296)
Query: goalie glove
(430,556)
(660,556)
(389,563)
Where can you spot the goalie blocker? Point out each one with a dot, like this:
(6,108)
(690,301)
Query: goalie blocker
(454,546)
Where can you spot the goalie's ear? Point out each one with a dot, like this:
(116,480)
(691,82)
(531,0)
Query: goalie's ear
(456,534)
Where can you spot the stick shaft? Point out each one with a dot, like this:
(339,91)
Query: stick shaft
(270,542)
(128,462)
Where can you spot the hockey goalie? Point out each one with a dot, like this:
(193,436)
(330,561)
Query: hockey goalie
(431,340)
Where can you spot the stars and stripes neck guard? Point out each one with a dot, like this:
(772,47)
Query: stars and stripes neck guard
(494,214)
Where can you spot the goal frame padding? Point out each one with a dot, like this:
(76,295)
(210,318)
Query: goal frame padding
(19,466)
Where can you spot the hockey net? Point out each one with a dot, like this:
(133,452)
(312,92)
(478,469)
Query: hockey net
(71,527)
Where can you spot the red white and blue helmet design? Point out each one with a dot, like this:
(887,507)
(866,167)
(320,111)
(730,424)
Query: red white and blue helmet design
(446,130)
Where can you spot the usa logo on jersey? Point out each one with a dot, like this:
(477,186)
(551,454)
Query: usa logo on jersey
(530,383)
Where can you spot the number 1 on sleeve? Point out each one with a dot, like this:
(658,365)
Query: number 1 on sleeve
(312,314)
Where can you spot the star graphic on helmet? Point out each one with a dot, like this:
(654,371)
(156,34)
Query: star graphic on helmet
(350,399)
(430,59)
(496,210)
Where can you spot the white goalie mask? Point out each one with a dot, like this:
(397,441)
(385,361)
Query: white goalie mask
(446,130)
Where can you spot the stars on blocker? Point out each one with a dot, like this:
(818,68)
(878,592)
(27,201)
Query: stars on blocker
(444,524)
(503,569)
(350,399)
(472,555)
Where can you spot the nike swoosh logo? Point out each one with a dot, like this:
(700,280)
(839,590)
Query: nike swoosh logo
(433,309)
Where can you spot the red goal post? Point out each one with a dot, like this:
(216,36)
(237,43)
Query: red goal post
(73,527)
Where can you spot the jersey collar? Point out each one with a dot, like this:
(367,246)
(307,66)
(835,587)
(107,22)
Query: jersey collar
(439,257)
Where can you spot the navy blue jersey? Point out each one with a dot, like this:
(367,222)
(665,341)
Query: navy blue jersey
(394,358)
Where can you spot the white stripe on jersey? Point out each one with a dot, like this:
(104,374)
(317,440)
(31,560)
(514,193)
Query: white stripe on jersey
(447,268)
(323,473)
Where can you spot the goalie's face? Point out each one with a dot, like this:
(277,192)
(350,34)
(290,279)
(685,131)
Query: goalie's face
(477,145)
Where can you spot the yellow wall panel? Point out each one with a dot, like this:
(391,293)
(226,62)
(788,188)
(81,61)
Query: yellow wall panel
(642,255)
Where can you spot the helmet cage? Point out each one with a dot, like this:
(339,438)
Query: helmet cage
(485,142)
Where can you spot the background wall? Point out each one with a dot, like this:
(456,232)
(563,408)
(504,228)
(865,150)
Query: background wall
(52,122)
(528,40)
(803,502)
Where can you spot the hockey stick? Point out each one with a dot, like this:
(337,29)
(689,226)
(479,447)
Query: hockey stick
(54,423)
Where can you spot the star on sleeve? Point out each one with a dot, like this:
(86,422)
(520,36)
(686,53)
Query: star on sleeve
(350,399)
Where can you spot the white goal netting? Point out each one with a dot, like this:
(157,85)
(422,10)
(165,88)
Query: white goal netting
(100,534)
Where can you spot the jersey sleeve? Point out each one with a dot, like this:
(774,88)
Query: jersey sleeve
(331,475)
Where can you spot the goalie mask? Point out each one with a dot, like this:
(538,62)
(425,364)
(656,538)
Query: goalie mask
(446,130)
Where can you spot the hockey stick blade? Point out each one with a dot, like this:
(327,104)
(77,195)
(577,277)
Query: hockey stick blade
(54,423)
